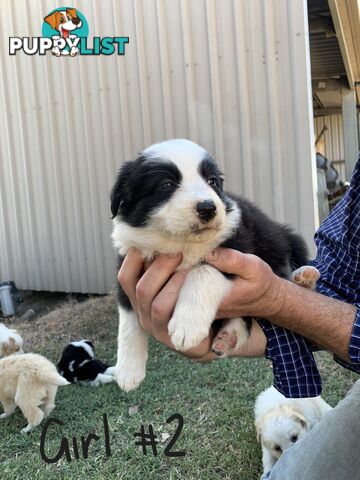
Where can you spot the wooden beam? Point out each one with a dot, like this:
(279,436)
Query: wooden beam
(346,18)
(350,128)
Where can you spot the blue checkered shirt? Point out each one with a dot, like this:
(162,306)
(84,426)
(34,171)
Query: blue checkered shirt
(338,260)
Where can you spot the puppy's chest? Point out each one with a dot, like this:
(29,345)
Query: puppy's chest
(191,254)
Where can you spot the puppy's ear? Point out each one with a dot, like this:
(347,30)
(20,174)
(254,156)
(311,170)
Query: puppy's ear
(52,20)
(120,193)
(297,417)
(72,12)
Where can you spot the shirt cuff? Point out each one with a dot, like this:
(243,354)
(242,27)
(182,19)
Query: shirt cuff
(354,347)
(294,367)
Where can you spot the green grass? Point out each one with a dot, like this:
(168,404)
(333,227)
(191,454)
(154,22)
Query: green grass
(216,401)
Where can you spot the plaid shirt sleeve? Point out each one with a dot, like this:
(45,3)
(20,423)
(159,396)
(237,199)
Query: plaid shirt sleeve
(338,260)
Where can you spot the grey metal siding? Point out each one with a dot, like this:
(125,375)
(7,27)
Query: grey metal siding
(232,75)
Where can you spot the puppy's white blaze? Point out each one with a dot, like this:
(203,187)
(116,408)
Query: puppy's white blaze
(85,346)
(186,155)
(132,351)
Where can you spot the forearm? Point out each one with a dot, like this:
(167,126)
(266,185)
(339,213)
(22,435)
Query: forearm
(325,321)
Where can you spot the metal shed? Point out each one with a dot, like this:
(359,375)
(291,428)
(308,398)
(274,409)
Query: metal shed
(232,75)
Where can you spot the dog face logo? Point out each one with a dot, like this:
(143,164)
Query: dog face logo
(65,31)
(64,21)
(69,24)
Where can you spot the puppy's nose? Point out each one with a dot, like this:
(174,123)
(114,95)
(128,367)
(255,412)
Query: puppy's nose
(206,210)
(76,20)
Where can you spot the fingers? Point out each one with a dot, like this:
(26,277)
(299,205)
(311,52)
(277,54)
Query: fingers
(130,272)
(152,282)
(232,261)
(164,303)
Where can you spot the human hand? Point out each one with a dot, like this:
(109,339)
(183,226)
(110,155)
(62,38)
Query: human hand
(256,290)
(153,291)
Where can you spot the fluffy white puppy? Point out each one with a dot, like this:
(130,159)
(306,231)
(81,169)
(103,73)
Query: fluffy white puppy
(10,341)
(280,422)
(30,382)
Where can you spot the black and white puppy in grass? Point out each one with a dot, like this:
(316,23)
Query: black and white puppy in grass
(169,200)
(78,364)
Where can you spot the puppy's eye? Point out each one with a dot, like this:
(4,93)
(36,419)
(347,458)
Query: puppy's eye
(277,448)
(167,185)
(213,182)
(293,438)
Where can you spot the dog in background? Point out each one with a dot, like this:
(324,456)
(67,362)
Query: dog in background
(65,22)
(78,364)
(280,422)
(10,341)
(30,382)
(170,200)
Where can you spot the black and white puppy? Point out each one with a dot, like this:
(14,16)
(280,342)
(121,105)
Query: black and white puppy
(78,364)
(169,200)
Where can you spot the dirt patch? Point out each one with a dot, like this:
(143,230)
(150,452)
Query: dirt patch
(95,318)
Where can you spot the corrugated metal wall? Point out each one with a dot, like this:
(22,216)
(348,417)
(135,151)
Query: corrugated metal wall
(232,75)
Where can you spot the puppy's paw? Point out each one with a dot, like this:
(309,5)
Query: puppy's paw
(184,335)
(129,377)
(224,343)
(3,415)
(230,337)
(26,429)
(306,276)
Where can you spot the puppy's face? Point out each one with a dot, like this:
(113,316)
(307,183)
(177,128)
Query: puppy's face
(11,346)
(279,432)
(73,356)
(175,188)
(65,21)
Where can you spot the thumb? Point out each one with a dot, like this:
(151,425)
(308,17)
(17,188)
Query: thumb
(228,260)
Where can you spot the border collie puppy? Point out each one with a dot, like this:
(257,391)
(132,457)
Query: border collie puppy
(169,200)
(78,364)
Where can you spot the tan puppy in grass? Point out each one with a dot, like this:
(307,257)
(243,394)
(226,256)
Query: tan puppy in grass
(280,422)
(30,382)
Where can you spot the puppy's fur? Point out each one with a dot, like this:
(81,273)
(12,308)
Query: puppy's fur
(280,422)
(30,382)
(10,341)
(78,364)
(169,200)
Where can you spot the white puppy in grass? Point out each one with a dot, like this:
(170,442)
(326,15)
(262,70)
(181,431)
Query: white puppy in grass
(280,422)
(10,341)
(30,382)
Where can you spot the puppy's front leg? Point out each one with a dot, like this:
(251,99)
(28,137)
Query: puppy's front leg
(195,310)
(268,460)
(132,351)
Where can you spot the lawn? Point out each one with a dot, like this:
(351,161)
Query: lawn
(216,401)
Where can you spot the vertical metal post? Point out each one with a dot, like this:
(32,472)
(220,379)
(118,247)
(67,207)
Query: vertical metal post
(351,136)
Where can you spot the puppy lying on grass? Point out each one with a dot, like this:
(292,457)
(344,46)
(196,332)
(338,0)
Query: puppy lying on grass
(281,421)
(30,382)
